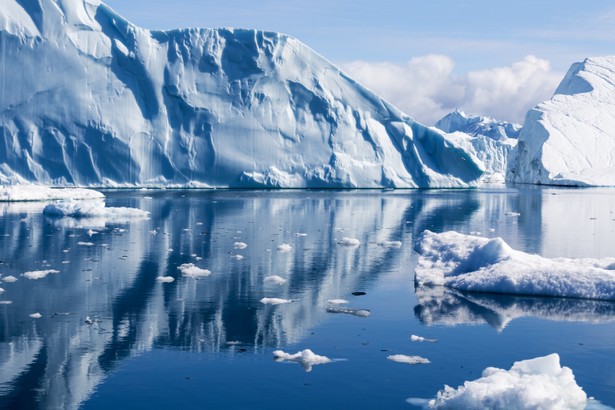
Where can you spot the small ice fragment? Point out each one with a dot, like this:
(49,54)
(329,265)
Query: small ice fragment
(275,279)
(237,257)
(491,229)
(91,232)
(9,279)
(306,358)
(240,245)
(88,320)
(284,248)
(39,274)
(233,343)
(85,244)
(5,302)
(36,315)
(274,301)
(1,291)
(349,311)
(193,271)
(153,232)
(402,358)
(349,242)
(300,234)
(165,279)
(416,338)
(65,262)
(170,250)
(337,301)
(390,244)
(199,223)
(510,213)
(65,250)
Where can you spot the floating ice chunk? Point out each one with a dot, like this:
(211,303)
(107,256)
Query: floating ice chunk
(39,274)
(390,244)
(240,245)
(416,338)
(539,383)
(9,279)
(477,264)
(284,248)
(301,234)
(85,243)
(237,257)
(402,358)
(5,302)
(306,358)
(349,311)
(275,279)
(36,315)
(165,279)
(91,232)
(1,291)
(275,301)
(193,271)
(92,209)
(349,242)
(510,213)
(18,193)
(337,301)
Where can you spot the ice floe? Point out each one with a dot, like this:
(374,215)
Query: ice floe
(278,280)
(306,358)
(36,315)
(85,243)
(402,358)
(274,301)
(416,338)
(349,242)
(93,209)
(22,193)
(539,383)
(165,279)
(193,271)
(39,274)
(240,245)
(476,264)
(337,301)
(284,248)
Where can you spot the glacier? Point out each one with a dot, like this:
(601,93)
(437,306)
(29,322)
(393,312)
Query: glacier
(570,139)
(89,99)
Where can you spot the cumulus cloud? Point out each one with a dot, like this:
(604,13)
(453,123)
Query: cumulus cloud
(427,88)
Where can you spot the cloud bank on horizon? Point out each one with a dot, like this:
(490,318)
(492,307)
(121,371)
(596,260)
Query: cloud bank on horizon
(427,88)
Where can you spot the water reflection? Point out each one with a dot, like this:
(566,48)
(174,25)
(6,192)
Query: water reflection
(443,306)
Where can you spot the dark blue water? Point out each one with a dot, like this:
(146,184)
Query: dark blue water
(209,342)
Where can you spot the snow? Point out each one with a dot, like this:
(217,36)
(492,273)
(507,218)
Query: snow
(197,108)
(349,242)
(193,271)
(477,264)
(274,301)
(39,274)
(306,358)
(26,192)
(400,358)
(92,209)
(539,383)
(275,279)
(569,140)
(421,339)
(9,279)
(285,248)
(165,279)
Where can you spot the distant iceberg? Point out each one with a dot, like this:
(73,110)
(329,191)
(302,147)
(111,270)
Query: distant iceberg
(477,264)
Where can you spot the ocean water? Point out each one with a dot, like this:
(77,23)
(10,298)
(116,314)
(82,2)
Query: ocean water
(111,335)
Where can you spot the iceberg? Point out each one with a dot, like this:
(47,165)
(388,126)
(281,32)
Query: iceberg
(476,264)
(93,100)
(474,125)
(92,209)
(540,383)
(570,139)
(32,193)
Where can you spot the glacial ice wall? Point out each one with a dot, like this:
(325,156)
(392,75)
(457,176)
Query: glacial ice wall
(89,99)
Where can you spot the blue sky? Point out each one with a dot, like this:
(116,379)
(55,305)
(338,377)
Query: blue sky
(475,35)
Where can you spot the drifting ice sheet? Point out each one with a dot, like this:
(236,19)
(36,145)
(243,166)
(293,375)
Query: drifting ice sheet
(475,264)
(539,383)
(18,193)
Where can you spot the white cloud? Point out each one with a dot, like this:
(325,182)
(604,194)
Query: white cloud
(426,88)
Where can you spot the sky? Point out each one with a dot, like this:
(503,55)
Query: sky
(487,57)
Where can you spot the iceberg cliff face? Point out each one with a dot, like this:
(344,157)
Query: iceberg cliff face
(570,139)
(89,99)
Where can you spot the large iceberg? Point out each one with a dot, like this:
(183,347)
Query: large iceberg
(90,99)
(476,264)
(570,139)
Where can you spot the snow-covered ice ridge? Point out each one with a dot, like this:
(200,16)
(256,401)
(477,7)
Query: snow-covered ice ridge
(474,125)
(477,264)
(93,100)
(570,139)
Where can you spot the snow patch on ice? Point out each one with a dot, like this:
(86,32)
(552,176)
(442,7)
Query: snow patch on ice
(478,264)
(539,383)
(306,358)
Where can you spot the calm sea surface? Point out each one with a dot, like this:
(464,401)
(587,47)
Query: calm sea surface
(112,336)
